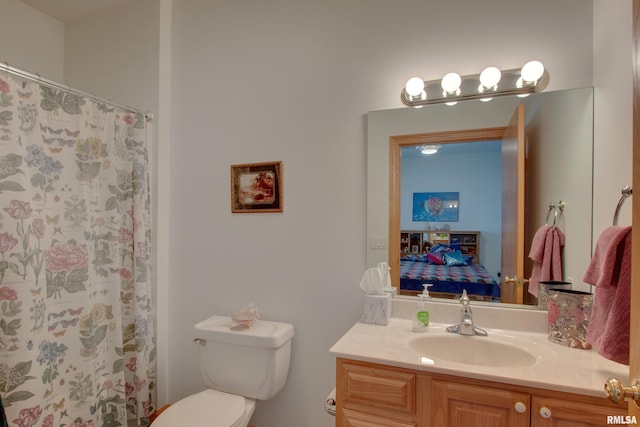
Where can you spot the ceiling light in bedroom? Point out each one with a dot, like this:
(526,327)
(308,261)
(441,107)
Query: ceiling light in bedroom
(428,150)
(531,78)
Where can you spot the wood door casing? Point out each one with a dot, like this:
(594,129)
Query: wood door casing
(396,143)
(634,345)
(513,197)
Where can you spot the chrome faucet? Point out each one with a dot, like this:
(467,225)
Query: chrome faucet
(465,327)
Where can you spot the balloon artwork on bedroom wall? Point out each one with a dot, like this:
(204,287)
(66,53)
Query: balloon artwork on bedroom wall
(436,207)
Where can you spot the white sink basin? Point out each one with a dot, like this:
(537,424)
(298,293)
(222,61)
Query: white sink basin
(471,350)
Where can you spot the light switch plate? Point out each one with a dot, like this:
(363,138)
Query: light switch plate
(378,243)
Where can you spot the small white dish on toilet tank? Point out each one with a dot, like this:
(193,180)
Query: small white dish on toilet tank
(265,334)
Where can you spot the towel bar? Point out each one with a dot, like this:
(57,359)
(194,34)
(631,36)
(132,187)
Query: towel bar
(555,208)
(626,192)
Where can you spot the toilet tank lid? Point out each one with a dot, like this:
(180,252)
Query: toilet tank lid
(264,333)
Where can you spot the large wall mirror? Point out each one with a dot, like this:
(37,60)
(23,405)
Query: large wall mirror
(469,173)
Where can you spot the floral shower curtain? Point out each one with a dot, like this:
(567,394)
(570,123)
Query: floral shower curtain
(77,347)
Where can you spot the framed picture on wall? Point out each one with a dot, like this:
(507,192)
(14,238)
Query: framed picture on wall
(256,187)
(436,207)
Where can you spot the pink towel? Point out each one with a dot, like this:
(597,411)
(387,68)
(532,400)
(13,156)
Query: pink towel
(546,253)
(610,272)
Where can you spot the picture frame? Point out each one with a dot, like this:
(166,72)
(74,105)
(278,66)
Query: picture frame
(256,187)
(436,207)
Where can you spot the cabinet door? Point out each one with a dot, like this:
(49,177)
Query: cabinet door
(462,405)
(358,419)
(383,392)
(549,412)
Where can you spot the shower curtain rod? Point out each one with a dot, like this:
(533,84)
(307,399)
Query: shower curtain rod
(36,77)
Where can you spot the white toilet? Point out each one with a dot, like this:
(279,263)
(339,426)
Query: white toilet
(238,366)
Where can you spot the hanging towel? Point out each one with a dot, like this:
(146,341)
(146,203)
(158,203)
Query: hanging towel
(3,416)
(610,272)
(546,253)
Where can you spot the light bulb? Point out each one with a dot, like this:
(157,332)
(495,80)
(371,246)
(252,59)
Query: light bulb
(490,77)
(519,85)
(451,82)
(414,86)
(532,71)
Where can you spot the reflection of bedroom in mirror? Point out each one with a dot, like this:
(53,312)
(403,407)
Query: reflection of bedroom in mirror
(558,158)
(473,169)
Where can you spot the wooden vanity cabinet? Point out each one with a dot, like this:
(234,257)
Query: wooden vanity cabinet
(568,413)
(372,395)
(459,404)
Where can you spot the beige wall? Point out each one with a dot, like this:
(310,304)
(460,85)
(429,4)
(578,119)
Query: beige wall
(612,80)
(292,81)
(30,40)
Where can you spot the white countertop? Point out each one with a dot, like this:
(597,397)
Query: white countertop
(556,368)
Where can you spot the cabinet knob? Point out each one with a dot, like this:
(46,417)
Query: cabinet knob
(617,392)
(545,412)
(520,407)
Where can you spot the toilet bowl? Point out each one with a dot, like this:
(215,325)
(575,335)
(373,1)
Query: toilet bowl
(239,366)
(208,408)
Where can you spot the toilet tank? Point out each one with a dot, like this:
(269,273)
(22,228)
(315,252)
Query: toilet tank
(251,362)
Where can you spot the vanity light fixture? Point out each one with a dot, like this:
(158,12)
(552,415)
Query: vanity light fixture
(490,77)
(531,78)
(414,87)
(451,84)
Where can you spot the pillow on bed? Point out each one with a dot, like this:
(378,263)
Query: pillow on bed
(435,258)
(439,248)
(454,258)
(468,259)
(415,258)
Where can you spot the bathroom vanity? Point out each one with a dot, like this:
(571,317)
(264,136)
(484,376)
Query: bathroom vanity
(390,376)
(370,394)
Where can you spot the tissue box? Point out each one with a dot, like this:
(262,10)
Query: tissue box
(377,309)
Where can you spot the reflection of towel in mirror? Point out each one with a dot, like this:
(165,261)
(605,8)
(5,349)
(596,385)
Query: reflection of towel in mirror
(3,416)
(610,272)
(546,253)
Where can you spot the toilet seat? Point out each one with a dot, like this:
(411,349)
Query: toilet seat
(209,408)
